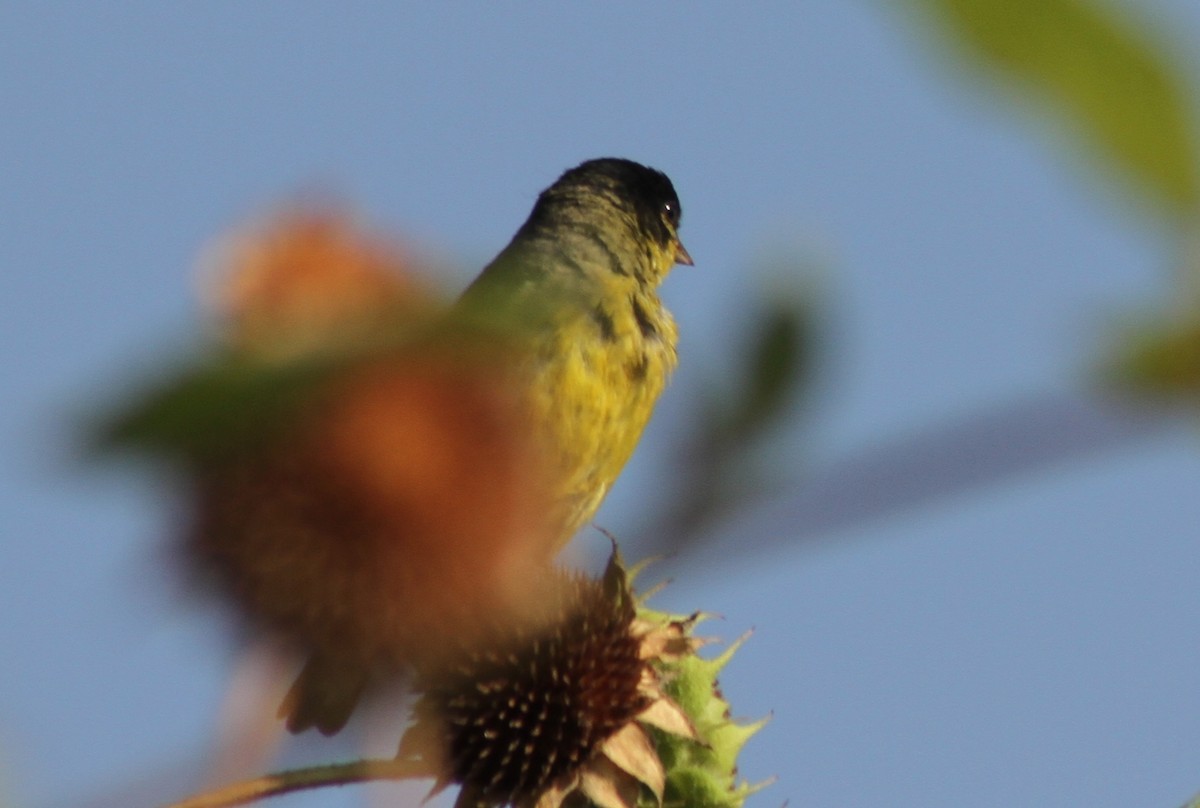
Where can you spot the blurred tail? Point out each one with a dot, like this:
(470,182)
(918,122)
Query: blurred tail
(323,695)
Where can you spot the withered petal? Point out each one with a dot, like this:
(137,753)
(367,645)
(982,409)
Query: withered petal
(553,797)
(631,750)
(607,786)
(669,717)
(668,642)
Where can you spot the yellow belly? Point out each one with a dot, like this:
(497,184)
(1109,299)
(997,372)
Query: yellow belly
(592,398)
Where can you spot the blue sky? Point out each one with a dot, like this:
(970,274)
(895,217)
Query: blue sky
(1028,643)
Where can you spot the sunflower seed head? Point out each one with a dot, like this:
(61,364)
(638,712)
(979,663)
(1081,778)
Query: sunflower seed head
(533,710)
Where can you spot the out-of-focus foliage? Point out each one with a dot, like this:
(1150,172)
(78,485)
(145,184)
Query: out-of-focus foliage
(1099,70)
(359,472)
(1096,68)
(228,403)
(1160,361)
(719,459)
(296,301)
(777,361)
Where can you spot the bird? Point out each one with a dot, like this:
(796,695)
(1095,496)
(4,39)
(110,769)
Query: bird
(577,293)
(579,282)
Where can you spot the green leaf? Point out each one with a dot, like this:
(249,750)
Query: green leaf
(225,405)
(777,362)
(230,402)
(1098,70)
(775,365)
(1158,359)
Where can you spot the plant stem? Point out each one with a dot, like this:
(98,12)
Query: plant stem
(331,774)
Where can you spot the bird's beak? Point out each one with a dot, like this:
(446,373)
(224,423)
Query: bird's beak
(681,255)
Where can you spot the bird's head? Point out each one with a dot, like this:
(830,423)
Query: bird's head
(630,206)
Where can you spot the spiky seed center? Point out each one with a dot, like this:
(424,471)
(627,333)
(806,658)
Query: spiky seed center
(533,712)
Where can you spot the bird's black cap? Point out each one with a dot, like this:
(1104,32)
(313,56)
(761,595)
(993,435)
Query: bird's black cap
(647,192)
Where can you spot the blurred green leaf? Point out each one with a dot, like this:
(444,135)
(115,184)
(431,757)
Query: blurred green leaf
(1100,71)
(777,363)
(230,401)
(225,405)
(1160,359)
(719,459)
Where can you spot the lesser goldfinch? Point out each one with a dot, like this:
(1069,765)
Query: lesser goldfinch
(580,281)
(577,289)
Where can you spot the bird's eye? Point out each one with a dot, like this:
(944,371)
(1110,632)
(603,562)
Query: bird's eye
(672,213)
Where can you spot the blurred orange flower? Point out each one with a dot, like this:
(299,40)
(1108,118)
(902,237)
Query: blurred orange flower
(402,512)
(304,277)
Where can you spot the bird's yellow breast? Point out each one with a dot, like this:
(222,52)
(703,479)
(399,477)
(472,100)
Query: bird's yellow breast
(593,390)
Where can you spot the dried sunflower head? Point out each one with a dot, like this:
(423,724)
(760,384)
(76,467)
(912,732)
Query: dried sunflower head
(360,473)
(567,711)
